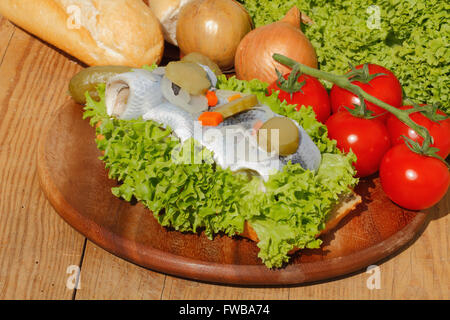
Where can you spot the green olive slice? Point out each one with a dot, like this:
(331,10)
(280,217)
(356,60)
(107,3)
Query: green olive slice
(279,133)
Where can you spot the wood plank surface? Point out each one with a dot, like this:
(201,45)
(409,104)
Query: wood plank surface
(105,276)
(6,33)
(37,247)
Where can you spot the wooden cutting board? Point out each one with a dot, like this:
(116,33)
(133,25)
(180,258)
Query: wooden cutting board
(76,183)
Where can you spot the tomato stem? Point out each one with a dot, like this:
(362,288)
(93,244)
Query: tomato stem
(291,84)
(362,75)
(343,82)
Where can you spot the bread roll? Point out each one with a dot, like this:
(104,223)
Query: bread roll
(167,12)
(346,205)
(97,32)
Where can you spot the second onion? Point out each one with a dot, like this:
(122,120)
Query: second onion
(254,54)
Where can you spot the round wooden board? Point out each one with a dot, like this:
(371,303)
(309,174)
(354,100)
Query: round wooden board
(76,183)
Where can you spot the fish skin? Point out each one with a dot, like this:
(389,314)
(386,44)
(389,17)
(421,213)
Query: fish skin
(183,124)
(248,118)
(234,147)
(160,71)
(144,93)
(307,155)
(211,75)
(179,120)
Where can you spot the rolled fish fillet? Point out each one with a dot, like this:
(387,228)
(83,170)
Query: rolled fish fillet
(179,120)
(234,147)
(307,155)
(130,95)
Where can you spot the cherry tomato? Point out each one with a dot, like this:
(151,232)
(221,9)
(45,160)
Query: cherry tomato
(411,180)
(368,139)
(386,88)
(312,93)
(440,131)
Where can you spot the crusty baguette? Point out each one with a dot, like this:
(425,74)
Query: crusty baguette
(167,12)
(97,32)
(344,207)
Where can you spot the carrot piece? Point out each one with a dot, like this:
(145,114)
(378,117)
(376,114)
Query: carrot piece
(235,97)
(256,126)
(212,98)
(211,119)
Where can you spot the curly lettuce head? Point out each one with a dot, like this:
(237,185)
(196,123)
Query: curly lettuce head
(409,37)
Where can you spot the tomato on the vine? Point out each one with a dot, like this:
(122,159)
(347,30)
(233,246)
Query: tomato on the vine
(439,130)
(310,92)
(384,87)
(367,138)
(411,180)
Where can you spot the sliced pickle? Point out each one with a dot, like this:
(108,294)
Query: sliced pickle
(88,79)
(204,60)
(286,139)
(190,76)
(237,106)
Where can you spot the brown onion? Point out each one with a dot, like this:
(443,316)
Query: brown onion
(213,28)
(254,54)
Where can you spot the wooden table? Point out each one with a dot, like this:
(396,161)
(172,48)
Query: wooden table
(39,251)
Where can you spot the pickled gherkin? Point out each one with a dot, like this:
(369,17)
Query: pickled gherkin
(88,79)
(237,106)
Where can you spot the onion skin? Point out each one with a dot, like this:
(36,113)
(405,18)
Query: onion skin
(254,55)
(213,28)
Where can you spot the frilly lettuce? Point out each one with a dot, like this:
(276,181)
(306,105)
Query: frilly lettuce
(204,197)
(411,40)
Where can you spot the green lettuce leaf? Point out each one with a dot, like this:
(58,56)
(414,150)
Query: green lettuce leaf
(411,39)
(204,197)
